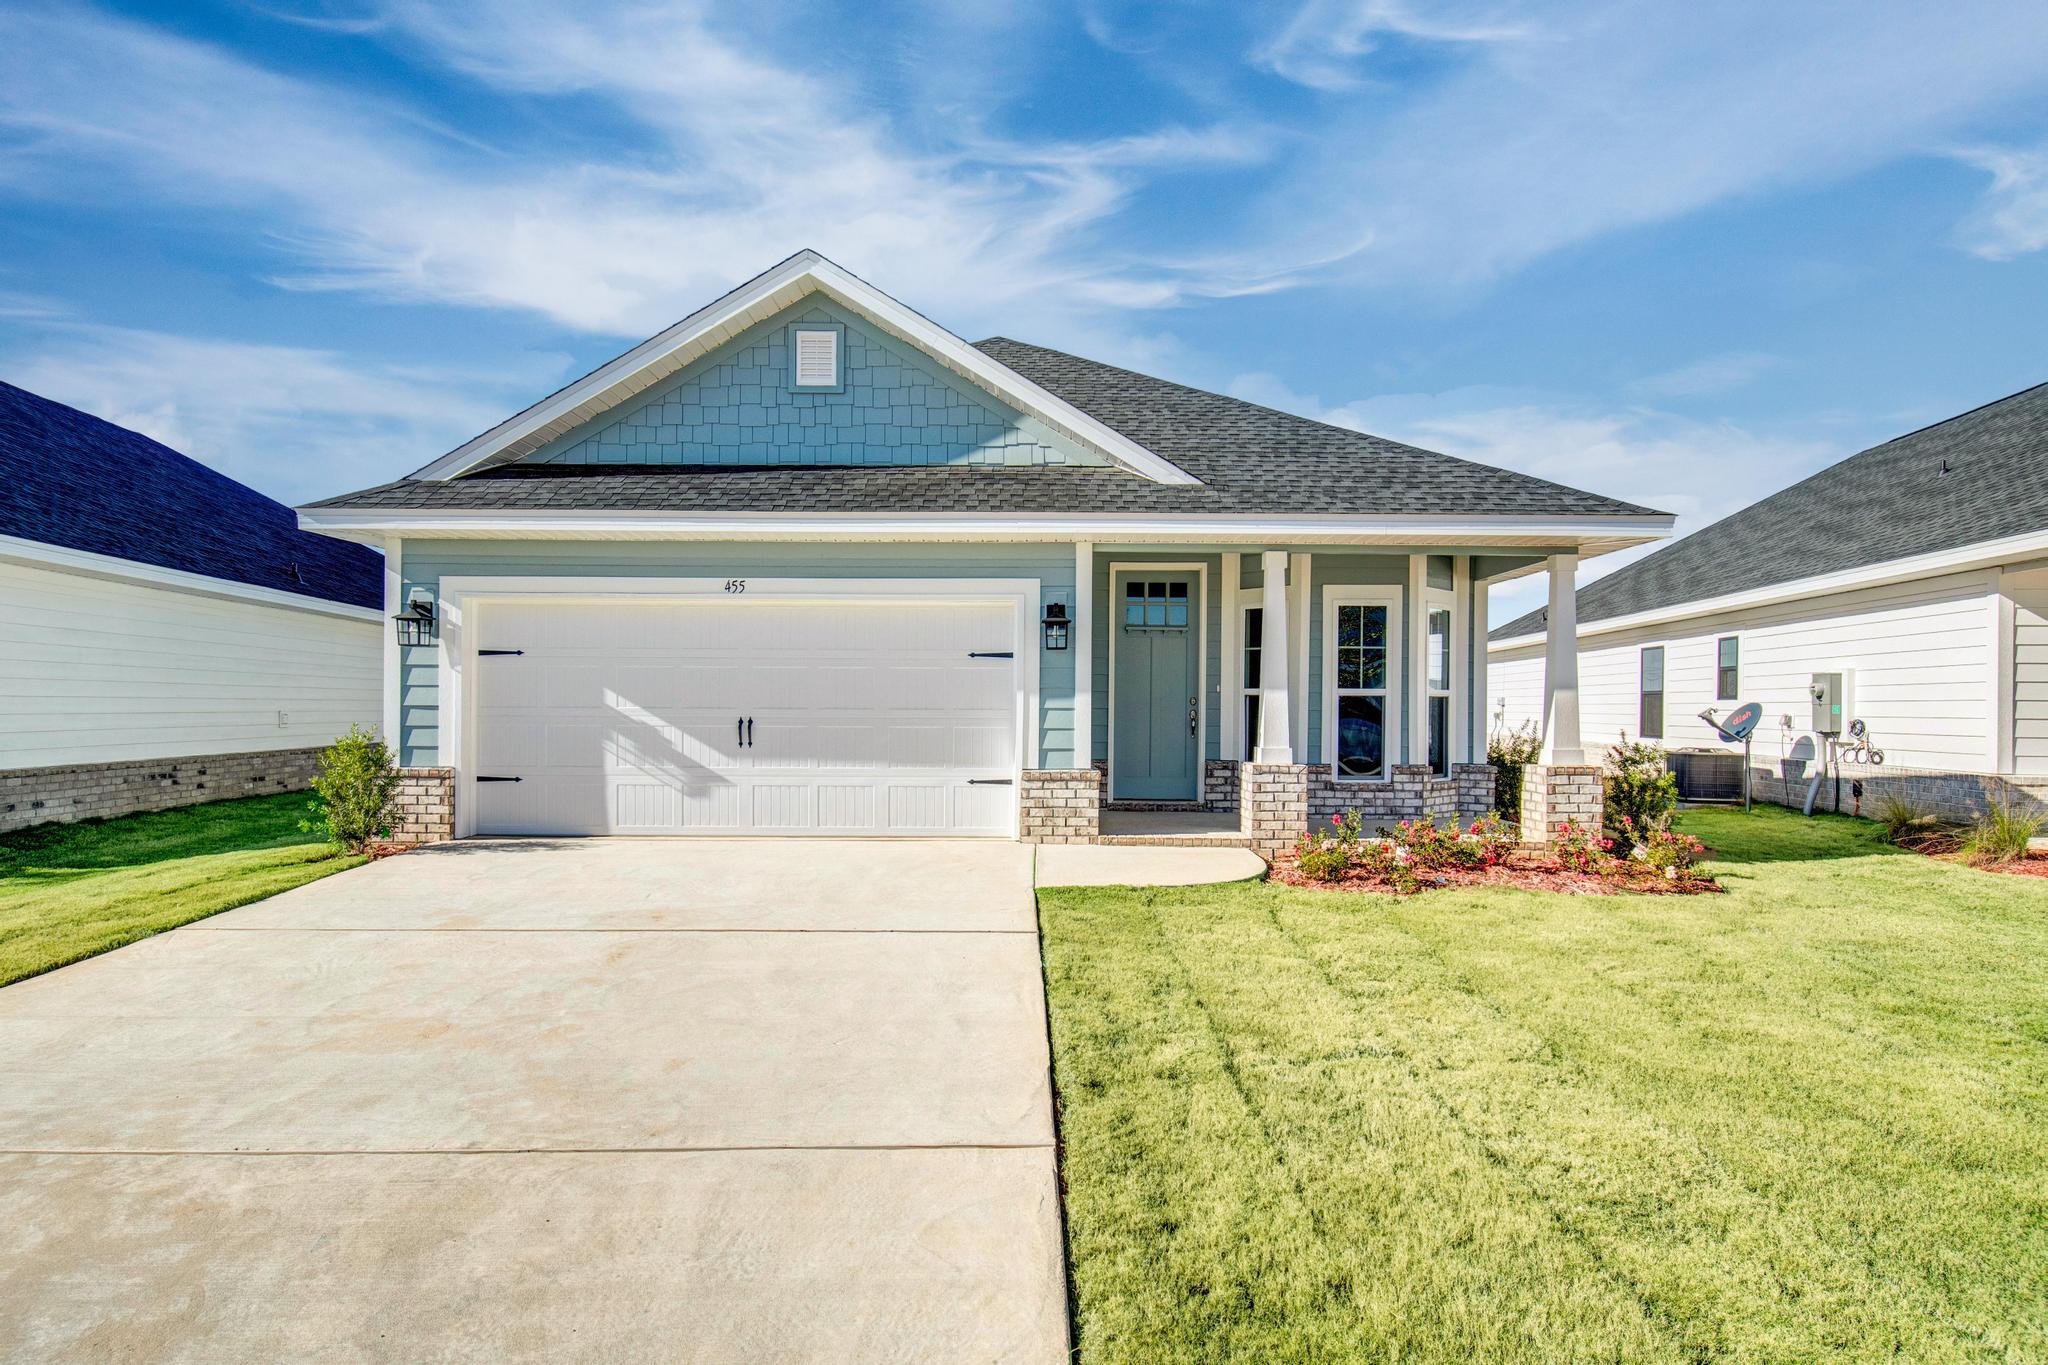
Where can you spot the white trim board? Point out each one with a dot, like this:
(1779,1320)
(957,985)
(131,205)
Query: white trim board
(762,297)
(456,653)
(36,554)
(1981,554)
(1386,595)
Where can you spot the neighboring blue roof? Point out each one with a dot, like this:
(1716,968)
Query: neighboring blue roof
(67,478)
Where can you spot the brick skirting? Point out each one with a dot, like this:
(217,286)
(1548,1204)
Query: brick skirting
(95,791)
(423,811)
(1059,805)
(1959,798)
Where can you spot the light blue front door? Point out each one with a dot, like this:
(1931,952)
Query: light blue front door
(1157,620)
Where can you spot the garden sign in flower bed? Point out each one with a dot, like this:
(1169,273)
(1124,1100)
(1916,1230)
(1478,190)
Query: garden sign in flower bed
(1420,855)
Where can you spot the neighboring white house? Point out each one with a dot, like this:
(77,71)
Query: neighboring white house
(167,635)
(1916,570)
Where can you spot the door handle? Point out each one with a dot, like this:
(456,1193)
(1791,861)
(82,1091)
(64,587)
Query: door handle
(1194,710)
(739,733)
(750,732)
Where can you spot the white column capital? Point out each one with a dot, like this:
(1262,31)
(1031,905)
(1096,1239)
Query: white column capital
(1276,739)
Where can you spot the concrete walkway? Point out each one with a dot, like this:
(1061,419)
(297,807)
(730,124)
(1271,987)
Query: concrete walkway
(1139,865)
(548,1100)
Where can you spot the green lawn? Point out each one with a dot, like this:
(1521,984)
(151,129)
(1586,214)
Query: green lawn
(1805,1120)
(69,891)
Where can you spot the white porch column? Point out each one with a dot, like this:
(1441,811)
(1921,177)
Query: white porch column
(1276,707)
(1482,701)
(394,602)
(1562,746)
(1415,656)
(1459,748)
(1083,631)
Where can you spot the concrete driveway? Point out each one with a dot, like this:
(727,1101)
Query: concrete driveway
(597,1099)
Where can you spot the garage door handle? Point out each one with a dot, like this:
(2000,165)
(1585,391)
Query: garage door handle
(487,653)
(500,779)
(989,782)
(739,732)
(750,732)
(991,654)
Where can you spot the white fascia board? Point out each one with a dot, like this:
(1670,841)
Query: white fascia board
(806,271)
(1605,533)
(1980,555)
(36,554)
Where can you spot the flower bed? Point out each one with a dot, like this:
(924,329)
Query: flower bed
(1418,855)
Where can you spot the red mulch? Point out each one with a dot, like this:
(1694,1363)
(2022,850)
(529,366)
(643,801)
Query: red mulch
(1524,871)
(2033,865)
(377,848)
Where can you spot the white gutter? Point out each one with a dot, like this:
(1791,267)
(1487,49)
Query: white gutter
(1503,531)
(1980,555)
(38,555)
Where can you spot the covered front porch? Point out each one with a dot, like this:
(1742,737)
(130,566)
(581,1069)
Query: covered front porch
(1248,693)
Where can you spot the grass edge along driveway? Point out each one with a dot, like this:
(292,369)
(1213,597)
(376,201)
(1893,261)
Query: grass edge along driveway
(1798,1121)
(68,892)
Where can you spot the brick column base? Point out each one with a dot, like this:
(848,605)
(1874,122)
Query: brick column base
(1059,806)
(423,811)
(1553,795)
(1272,807)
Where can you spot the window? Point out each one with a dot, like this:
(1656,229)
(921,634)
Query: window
(1650,723)
(1728,668)
(1361,711)
(1155,605)
(1439,690)
(814,357)
(1254,636)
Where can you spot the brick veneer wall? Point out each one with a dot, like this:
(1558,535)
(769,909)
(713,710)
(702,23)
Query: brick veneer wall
(91,791)
(1220,783)
(423,811)
(1059,805)
(1552,795)
(1466,794)
(1962,798)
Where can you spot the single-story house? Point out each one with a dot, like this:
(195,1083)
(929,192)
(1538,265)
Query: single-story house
(167,635)
(807,563)
(1909,583)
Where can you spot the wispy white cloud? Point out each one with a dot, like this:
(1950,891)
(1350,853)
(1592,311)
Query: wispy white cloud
(1325,43)
(2012,220)
(1613,114)
(294,423)
(1714,374)
(739,161)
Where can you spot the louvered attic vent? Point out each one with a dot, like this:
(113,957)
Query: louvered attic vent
(816,352)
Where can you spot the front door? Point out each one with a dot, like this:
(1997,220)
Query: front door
(1154,748)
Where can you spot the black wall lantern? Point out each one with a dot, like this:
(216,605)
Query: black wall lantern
(416,623)
(1056,625)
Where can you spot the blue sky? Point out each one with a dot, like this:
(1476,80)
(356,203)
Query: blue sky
(1684,255)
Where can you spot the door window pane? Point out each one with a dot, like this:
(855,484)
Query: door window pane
(1361,647)
(1439,735)
(1156,605)
(1254,632)
(1251,726)
(1440,648)
(1361,736)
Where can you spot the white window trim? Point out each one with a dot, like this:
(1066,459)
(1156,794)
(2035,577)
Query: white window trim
(1361,595)
(1242,601)
(456,651)
(1444,599)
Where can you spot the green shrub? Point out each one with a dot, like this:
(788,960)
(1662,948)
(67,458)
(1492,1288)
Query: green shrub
(357,780)
(1325,862)
(1510,751)
(1641,792)
(1581,849)
(2001,837)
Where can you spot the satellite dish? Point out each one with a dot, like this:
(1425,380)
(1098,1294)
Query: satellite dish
(1741,722)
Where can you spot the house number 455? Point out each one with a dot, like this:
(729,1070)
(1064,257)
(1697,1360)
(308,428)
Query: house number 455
(735,585)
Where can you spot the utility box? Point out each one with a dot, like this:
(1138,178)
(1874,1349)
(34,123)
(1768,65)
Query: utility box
(1827,703)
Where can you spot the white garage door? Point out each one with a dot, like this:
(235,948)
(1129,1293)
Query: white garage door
(745,717)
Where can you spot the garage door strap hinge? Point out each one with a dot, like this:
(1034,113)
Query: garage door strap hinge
(989,782)
(991,654)
(488,652)
(500,779)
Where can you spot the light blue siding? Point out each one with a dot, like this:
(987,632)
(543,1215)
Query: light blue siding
(739,406)
(426,563)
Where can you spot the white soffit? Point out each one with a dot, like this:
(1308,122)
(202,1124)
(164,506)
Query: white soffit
(762,297)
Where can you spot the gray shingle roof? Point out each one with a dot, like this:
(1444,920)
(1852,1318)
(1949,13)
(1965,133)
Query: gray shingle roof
(1250,459)
(1979,476)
